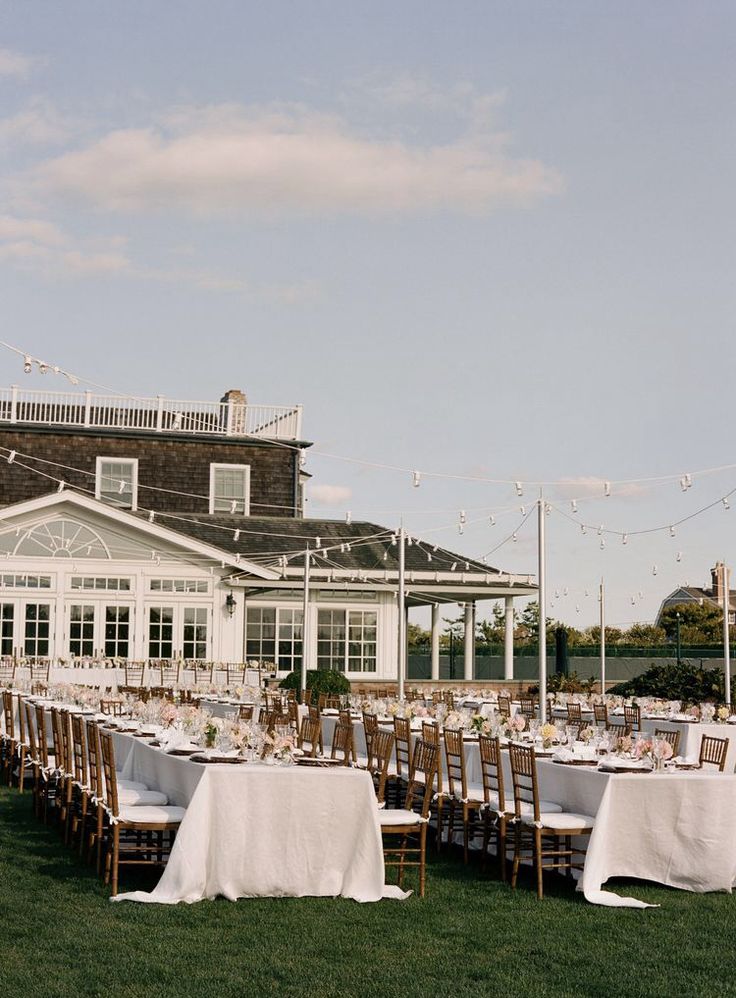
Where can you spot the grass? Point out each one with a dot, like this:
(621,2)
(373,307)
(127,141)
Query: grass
(470,936)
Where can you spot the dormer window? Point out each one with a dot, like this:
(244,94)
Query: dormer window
(116,481)
(230,488)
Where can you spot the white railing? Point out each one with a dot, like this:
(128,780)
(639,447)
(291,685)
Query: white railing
(154,415)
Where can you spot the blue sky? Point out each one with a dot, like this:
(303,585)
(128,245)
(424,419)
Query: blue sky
(482,239)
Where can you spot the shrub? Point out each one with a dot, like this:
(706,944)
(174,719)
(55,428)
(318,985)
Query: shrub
(318,680)
(686,681)
(559,683)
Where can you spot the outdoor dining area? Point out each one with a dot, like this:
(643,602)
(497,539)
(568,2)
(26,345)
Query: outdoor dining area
(234,790)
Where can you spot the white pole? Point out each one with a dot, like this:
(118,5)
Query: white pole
(469,641)
(508,639)
(726,635)
(401,608)
(542,611)
(435,655)
(305,620)
(602,599)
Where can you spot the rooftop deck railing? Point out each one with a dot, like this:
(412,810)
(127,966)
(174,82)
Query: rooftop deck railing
(87,410)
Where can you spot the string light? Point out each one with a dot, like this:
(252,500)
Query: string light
(493,520)
(519,489)
(624,538)
(606,488)
(27,364)
(725,503)
(574,505)
(522,510)
(348,517)
(11,457)
(672,530)
(416,479)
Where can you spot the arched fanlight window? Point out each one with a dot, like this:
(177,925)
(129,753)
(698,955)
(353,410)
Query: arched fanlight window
(61,538)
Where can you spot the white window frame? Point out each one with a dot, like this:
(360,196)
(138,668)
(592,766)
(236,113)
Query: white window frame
(214,467)
(133,461)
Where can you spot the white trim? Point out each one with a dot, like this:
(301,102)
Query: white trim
(217,466)
(127,519)
(134,478)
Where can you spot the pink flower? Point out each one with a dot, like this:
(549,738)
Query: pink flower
(518,722)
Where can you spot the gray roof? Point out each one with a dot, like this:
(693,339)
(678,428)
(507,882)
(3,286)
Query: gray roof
(266,539)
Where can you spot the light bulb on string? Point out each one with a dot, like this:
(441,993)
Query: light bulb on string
(606,488)
(582,529)
(43,368)
(460,528)
(678,556)
(624,538)
(654,569)
(600,530)
(574,506)
(27,364)
(603,542)
(393,540)
(236,536)
(409,541)
(493,520)
(522,510)
(547,509)
(385,555)
(462,516)
(672,530)
(11,457)
(565,591)
(453,566)
(61,487)
(416,479)
(348,517)
(519,489)
(577,608)
(725,503)
(429,556)
(514,538)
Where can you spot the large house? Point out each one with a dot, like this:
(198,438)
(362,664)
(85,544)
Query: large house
(149,528)
(702,596)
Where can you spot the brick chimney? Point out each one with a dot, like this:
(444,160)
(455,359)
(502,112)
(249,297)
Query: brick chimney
(716,575)
(237,402)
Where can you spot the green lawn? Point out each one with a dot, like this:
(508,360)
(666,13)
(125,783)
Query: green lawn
(470,936)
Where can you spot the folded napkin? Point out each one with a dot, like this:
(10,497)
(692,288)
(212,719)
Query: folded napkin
(184,746)
(563,755)
(686,760)
(612,765)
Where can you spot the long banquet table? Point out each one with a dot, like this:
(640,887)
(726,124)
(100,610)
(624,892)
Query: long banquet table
(253,830)
(674,828)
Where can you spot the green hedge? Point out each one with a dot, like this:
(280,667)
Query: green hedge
(688,682)
(318,681)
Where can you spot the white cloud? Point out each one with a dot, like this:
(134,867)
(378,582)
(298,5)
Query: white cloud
(330,495)
(35,244)
(17,64)
(226,160)
(35,229)
(39,123)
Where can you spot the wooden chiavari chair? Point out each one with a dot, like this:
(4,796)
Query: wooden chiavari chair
(528,707)
(574,713)
(402,736)
(431,735)
(383,750)
(168,672)
(450,699)
(309,737)
(33,757)
(437,697)
(60,728)
(7,672)
(245,712)
(370,726)
(124,845)
(407,824)
(632,717)
(666,735)
(114,708)
(80,786)
(382,693)
(92,835)
(40,672)
(307,697)
(342,743)
(495,813)
(134,674)
(235,674)
(600,714)
(22,741)
(504,706)
(410,695)
(47,772)
(713,752)
(39,689)
(202,672)
(13,747)
(470,799)
(534,828)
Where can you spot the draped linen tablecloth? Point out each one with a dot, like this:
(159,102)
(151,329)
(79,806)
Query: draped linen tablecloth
(254,830)
(95,675)
(691,734)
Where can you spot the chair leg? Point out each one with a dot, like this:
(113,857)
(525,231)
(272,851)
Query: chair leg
(115,857)
(538,861)
(466,819)
(501,845)
(517,854)
(422,859)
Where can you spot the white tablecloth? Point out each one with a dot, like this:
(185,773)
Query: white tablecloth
(691,735)
(253,830)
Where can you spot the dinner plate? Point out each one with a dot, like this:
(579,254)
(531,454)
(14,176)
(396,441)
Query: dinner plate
(319,762)
(216,759)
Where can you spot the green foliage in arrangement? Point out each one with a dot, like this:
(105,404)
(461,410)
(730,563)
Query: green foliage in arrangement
(318,681)
(686,681)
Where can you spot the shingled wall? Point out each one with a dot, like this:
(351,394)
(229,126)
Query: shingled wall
(164,461)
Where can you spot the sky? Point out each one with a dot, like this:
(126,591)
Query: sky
(492,242)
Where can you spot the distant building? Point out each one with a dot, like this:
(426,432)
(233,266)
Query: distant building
(694,594)
(135,528)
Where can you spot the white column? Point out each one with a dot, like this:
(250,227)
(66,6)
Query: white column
(542,584)
(401,608)
(305,621)
(469,639)
(508,639)
(602,598)
(726,635)
(435,653)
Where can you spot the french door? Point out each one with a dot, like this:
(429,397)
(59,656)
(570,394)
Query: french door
(97,628)
(36,629)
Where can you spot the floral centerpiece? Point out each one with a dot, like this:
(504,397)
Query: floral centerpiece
(516,724)
(548,733)
(280,747)
(723,713)
(707,712)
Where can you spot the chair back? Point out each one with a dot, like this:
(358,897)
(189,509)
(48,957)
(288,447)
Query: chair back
(524,778)
(309,736)
(79,750)
(134,673)
(342,742)
(424,769)
(504,706)
(40,672)
(491,768)
(632,716)
(383,750)
(7,671)
(437,697)
(245,712)
(8,714)
(94,760)
(370,726)
(673,737)
(43,744)
(169,673)
(600,713)
(455,762)
(528,706)
(112,707)
(27,707)
(202,671)
(713,752)
(20,714)
(402,736)
(574,713)
(39,689)
(107,751)
(235,674)
(60,728)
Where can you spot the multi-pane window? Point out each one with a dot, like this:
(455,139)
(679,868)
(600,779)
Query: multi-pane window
(179,586)
(194,644)
(82,630)
(331,640)
(117,631)
(260,634)
(117,481)
(160,632)
(275,635)
(37,626)
(7,614)
(100,583)
(230,488)
(25,581)
(290,640)
(346,639)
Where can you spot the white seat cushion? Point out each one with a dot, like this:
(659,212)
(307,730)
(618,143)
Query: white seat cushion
(130,785)
(138,798)
(475,794)
(545,807)
(398,816)
(561,821)
(152,815)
